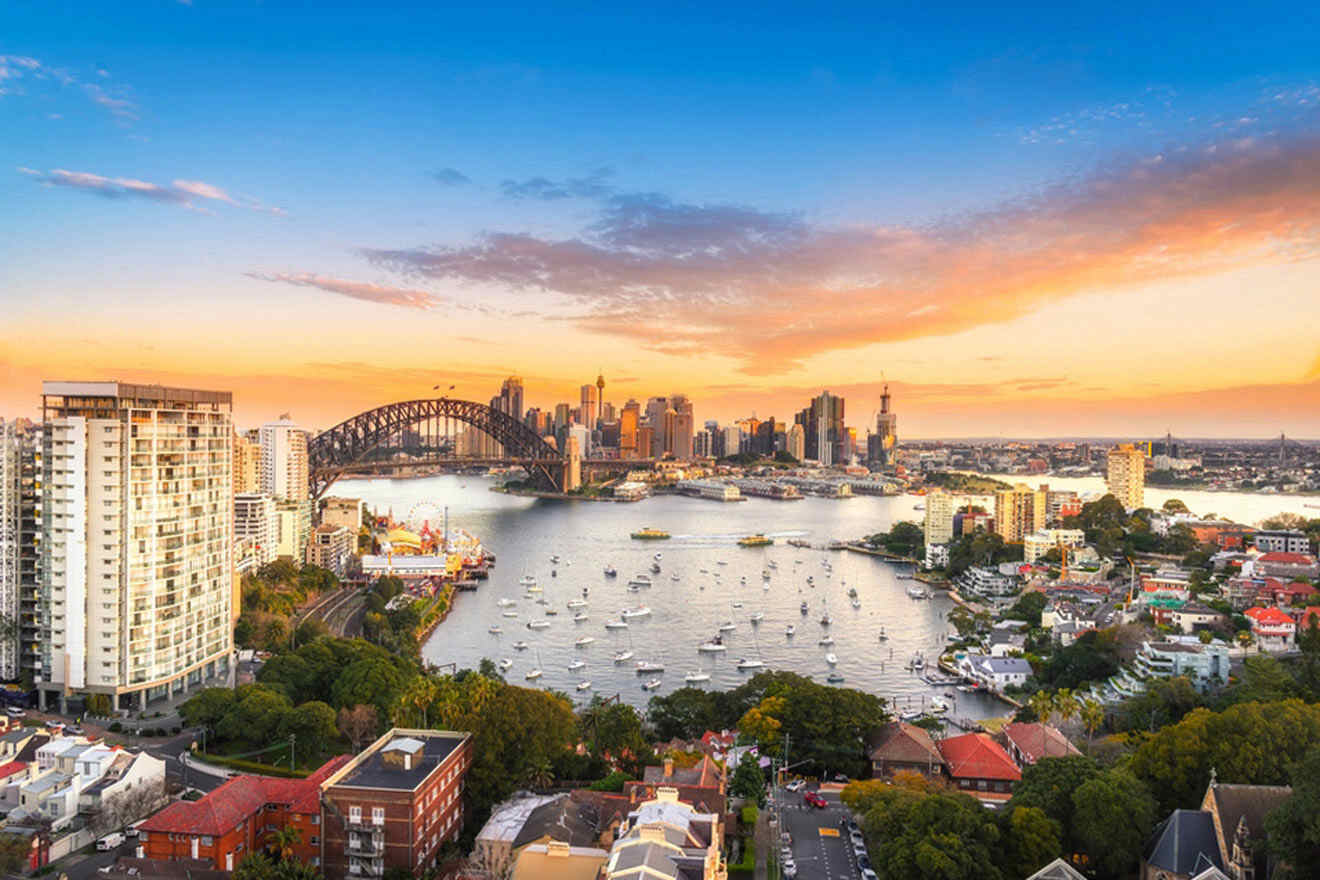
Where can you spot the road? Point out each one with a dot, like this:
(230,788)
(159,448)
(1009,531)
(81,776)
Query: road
(821,848)
(84,864)
(171,752)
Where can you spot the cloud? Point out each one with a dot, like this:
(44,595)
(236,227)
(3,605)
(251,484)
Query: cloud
(14,69)
(593,186)
(376,293)
(451,177)
(770,290)
(193,194)
(121,108)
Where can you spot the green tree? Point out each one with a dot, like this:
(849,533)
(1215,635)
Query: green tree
(1173,505)
(686,713)
(1093,718)
(748,781)
(1048,785)
(1113,815)
(372,680)
(15,853)
(941,836)
(207,707)
(313,724)
(1028,608)
(1294,827)
(256,716)
(259,866)
(283,842)
(1031,840)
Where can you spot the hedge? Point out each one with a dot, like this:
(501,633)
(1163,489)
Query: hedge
(253,766)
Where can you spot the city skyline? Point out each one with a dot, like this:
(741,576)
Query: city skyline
(1025,232)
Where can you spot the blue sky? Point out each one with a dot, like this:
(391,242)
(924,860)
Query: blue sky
(334,128)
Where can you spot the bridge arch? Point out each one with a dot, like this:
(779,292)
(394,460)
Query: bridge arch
(332,452)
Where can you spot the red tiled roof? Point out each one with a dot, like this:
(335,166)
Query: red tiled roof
(1294,558)
(12,767)
(1297,588)
(241,797)
(977,756)
(1312,611)
(1029,741)
(1267,615)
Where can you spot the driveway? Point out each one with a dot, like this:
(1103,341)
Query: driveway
(820,843)
(83,865)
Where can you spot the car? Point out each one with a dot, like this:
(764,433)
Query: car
(15,712)
(785,854)
(839,777)
(864,863)
(813,799)
(790,869)
(795,785)
(857,837)
(859,848)
(75,730)
(110,841)
(868,874)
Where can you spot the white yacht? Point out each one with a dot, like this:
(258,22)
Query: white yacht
(826,641)
(758,617)
(580,617)
(651,684)
(697,677)
(790,630)
(610,571)
(506,664)
(831,659)
(533,589)
(938,704)
(506,603)
(577,664)
(584,685)
(714,646)
(527,581)
(640,580)
(616,624)
(649,666)
(728,626)
(623,656)
(508,613)
(538,624)
(577,603)
(917,592)
(749,663)
(533,674)
(639,611)
(675,577)
(495,630)
(520,646)
(584,641)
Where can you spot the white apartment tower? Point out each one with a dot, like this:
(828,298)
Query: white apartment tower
(20,523)
(939,517)
(136,581)
(256,522)
(284,477)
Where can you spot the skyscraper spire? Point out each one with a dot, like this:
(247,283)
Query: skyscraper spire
(600,381)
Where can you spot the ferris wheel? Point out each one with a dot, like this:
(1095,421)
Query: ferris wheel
(425,512)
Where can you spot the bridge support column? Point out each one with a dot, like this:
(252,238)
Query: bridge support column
(572,472)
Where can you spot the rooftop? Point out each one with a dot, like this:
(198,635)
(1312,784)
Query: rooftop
(906,743)
(370,770)
(977,756)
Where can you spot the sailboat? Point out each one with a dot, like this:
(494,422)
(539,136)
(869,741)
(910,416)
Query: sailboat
(696,677)
(745,663)
(584,685)
(577,664)
(831,659)
(535,671)
(825,619)
(623,656)
(883,637)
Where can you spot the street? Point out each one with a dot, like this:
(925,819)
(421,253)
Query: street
(84,865)
(821,848)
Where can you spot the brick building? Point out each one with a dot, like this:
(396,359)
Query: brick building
(237,819)
(979,766)
(902,747)
(395,804)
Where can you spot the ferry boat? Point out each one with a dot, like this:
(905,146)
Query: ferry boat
(746,663)
(640,580)
(649,666)
(757,540)
(611,571)
(506,664)
(697,677)
(520,646)
(714,646)
(538,624)
(584,641)
(577,664)
(640,611)
(650,534)
(624,656)
(495,630)
(584,685)
(651,685)
(831,658)
(616,624)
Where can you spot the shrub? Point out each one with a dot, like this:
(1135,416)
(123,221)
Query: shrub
(116,727)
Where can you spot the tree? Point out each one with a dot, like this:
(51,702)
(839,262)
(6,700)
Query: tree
(371,680)
(207,707)
(357,725)
(259,866)
(760,723)
(15,853)
(255,717)
(944,836)
(686,713)
(748,780)
(283,842)
(1042,704)
(310,629)
(1092,713)
(1294,827)
(1048,785)
(1028,608)
(1113,814)
(1173,505)
(1031,840)
(314,725)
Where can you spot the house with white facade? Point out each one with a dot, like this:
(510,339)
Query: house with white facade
(1273,629)
(995,673)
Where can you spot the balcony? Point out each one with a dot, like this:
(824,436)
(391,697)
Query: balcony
(364,868)
(366,844)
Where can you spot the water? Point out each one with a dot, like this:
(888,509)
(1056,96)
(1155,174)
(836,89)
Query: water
(525,533)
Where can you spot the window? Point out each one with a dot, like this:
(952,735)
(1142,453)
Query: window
(355,814)
(378,815)
(206,840)
(316,819)
(980,785)
(315,840)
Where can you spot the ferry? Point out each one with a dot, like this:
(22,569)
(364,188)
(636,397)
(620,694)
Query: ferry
(538,624)
(697,677)
(616,624)
(757,540)
(640,611)
(651,685)
(746,663)
(650,534)
(649,666)
(577,664)
(584,685)
(584,641)
(831,658)
(623,656)
(611,571)
(714,646)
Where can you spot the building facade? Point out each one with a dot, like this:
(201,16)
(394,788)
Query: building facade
(1126,475)
(137,540)
(20,530)
(256,525)
(1019,512)
(331,547)
(284,477)
(939,517)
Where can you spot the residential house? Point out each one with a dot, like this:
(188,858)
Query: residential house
(1288,566)
(1273,628)
(979,766)
(576,820)
(237,818)
(1028,743)
(703,786)
(1193,617)
(556,860)
(1283,541)
(995,673)
(665,839)
(1058,870)
(1166,584)
(132,785)
(1205,665)
(905,748)
(395,804)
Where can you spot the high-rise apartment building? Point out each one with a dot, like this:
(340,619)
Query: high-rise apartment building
(136,583)
(20,531)
(797,441)
(629,422)
(1127,475)
(284,477)
(1019,512)
(256,524)
(940,507)
(247,465)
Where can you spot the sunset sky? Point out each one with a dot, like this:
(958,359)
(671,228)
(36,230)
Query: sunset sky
(1030,221)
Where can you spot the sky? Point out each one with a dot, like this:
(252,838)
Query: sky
(1027,220)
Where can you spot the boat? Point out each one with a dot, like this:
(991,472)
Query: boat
(533,589)
(535,671)
(772,564)
(506,664)
(674,576)
(538,624)
(904,575)
(527,581)
(616,624)
(552,612)
(825,619)
(577,603)
(696,677)
(543,601)
(520,646)
(714,646)
(640,580)
(580,618)
(910,715)
(584,685)
(577,664)
(720,562)
(611,571)
(584,641)
(856,603)
(651,685)
(916,592)
(826,641)
(508,613)
(765,574)
(649,666)
(728,626)
(742,580)
(735,604)
(655,568)
(790,630)
(852,592)
(883,637)
(831,658)
(506,603)
(757,540)
(803,608)
(749,663)
(554,559)
(623,656)
(917,661)
(650,534)
(938,704)
(659,556)
(811,580)
(495,630)
(758,617)
(639,611)
(834,677)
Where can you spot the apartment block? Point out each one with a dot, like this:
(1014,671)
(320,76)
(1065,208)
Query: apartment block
(395,804)
(331,547)
(256,524)
(939,517)
(136,565)
(1127,475)
(1019,512)
(20,533)
(346,512)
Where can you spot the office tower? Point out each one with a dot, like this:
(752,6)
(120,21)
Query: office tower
(590,408)
(822,421)
(733,440)
(680,443)
(511,397)
(256,523)
(629,422)
(1127,475)
(645,442)
(1019,512)
(608,413)
(880,445)
(797,441)
(563,417)
(703,443)
(939,517)
(137,539)
(284,477)
(247,465)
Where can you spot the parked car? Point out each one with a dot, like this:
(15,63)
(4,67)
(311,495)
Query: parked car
(868,874)
(812,799)
(863,863)
(790,869)
(859,848)
(795,785)
(15,712)
(110,841)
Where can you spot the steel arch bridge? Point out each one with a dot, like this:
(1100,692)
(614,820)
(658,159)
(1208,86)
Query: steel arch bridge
(337,450)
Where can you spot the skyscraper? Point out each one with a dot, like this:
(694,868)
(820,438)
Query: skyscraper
(590,407)
(939,517)
(1127,475)
(137,539)
(284,477)
(822,422)
(20,523)
(247,465)
(797,441)
(629,422)
(511,397)
(1019,512)
(880,445)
